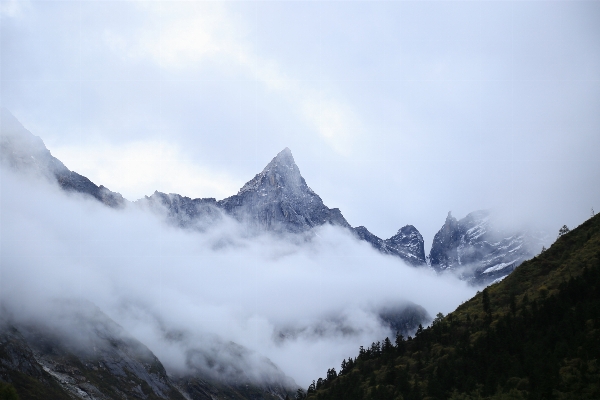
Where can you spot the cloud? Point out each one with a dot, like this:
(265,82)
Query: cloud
(184,36)
(13,8)
(139,168)
(210,288)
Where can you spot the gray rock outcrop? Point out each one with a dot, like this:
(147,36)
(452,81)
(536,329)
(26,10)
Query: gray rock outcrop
(478,250)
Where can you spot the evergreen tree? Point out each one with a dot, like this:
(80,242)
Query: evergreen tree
(8,392)
(485,300)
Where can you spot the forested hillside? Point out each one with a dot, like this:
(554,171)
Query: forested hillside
(535,335)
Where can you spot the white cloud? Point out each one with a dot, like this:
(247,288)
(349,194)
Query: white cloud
(13,8)
(336,122)
(148,277)
(139,168)
(182,36)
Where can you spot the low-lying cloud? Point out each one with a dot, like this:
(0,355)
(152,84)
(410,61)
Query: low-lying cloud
(304,304)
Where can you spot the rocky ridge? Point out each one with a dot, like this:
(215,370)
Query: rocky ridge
(21,150)
(279,200)
(477,250)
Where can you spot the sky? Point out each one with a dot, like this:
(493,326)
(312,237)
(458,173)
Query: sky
(396,112)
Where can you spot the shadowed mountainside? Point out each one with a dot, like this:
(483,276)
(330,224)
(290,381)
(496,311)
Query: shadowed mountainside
(535,335)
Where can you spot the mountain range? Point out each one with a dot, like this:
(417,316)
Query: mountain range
(276,201)
(279,200)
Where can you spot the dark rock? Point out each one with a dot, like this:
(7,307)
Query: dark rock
(407,244)
(405,319)
(477,250)
(184,211)
(278,199)
(81,353)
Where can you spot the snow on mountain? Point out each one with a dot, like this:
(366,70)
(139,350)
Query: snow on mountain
(407,244)
(479,251)
(278,199)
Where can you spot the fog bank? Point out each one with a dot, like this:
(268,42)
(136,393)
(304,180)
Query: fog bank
(304,304)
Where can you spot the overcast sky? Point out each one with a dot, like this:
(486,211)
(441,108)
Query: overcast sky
(395,112)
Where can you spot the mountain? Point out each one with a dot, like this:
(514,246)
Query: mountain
(407,244)
(278,199)
(275,200)
(81,353)
(21,150)
(183,211)
(534,335)
(477,250)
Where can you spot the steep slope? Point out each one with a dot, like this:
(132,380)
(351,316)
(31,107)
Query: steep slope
(81,353)
(19,367)
(407,244)
(183,211)
(21,150)
(477,250)
(534,335)
(278,199)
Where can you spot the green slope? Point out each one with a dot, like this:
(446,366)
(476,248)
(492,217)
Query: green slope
(535,335)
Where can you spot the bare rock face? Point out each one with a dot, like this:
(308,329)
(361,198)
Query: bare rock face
(21,150)
(477,250)
(278,199)
(407,244)
(183,211)
(444,250)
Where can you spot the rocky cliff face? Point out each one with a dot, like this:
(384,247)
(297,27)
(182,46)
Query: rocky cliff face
(477,250)
(278,199)
(407,244)
(183,211)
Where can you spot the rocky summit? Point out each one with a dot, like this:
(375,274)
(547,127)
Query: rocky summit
(478,250)
(407,244)
(278,199)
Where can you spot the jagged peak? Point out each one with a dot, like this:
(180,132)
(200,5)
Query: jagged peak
(282,168)
(407,228)
(283,158)
(450,219)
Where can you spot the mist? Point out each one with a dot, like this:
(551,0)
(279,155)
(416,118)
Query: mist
(305,304)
